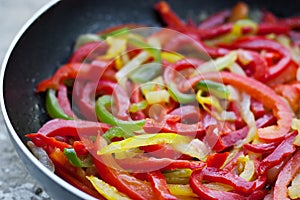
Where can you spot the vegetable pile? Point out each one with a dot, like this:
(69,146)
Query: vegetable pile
(190,111)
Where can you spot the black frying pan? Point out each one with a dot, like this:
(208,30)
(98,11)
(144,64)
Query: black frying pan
(47,43)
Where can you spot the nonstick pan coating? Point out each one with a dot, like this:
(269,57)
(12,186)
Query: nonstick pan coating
(47,43)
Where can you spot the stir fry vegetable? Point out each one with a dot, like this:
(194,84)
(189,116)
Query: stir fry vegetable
(190,111)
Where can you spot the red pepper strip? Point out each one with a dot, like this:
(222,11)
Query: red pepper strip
(88,51)
(159,185)
(73,128)
(257,66)
(216,160)
(292,22)
(268,28)
(71,71)
(258,91)
(239,184)
(80,148)
(268,17)
(214,20)
(286,175)
(283,150)
(288,75)
(86,104)
(47,143)
(123,181)
(63,100)
(261,148)
(136,97)
(258,44)
(210,194)
(152,126)
(146,164)
(169,17)
(169,73)
(257,108)
(234,107)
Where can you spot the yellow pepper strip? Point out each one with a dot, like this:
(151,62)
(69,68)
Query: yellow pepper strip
(171,57)
(159,96)
(181,190)
(106,190)
(116,47)
(296,126)
(209,100)
(248,168)
(218,186)
(294,189)
(179,176)
(143,140)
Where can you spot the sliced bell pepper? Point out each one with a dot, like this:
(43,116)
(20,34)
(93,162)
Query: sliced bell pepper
(283,150)
(144,140)
(146,73)
(88,51)
(75,160)
(214,88)
(147,164)
(105,116)
(216,160)
(210,194)
(116,132)
(106,190)
(73,128)
(63,100)
(52,106)
(214,20)
(261,148)
(159,185)
(71,71)
(286,175)
(259,92)
(47,143)
(239,184)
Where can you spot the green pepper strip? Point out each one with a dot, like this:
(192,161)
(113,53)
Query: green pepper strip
(179,96)
(147,47)
(116,132)
(118,32)
(214,88)
(135,107)
(52,106)
(105,116)
(146,73)
(74,160)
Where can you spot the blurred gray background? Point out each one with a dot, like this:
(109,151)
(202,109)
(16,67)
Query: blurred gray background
(15,182)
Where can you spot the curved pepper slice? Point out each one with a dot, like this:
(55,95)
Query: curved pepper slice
(283,150)
(258,91)
(145,164)
(71,71)
(63,100)
(286,175)
(105,116)
(73,128)
(210,194)
(53,107)
(159,185)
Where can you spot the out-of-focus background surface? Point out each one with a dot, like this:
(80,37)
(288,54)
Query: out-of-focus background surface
(15,182)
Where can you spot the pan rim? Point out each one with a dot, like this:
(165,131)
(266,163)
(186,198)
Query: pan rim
(11,131)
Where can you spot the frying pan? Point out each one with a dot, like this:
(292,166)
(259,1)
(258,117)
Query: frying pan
(46,42)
